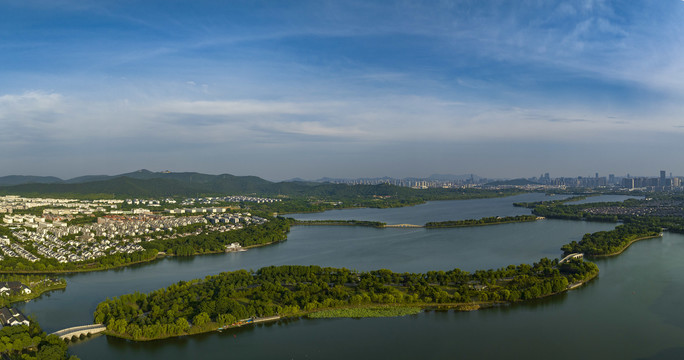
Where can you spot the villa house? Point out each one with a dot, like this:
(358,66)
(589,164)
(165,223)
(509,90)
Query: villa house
(13,287)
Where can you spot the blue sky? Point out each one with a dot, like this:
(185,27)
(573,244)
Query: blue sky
(283,89)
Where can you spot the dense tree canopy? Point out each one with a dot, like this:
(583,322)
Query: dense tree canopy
(482,221)
(31,343)
(611,242)
(198,305)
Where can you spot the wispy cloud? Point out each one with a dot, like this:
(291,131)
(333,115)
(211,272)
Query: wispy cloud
(353,74)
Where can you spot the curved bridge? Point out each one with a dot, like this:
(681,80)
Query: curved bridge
(66,334)
(570,257)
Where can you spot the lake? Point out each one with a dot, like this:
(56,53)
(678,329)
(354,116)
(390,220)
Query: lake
(631,311)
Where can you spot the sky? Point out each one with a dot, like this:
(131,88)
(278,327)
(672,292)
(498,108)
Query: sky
(309,89)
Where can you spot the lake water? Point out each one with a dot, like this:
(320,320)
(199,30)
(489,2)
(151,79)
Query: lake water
(630,312)
(435,210)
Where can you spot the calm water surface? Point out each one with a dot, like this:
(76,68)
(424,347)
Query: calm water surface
(435,210)
(632,311)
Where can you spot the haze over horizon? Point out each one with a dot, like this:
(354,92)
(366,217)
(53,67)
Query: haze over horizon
(315,89)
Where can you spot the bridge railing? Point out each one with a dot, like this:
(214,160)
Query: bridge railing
(571,256)
(79,329)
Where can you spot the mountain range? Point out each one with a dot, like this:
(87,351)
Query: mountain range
(145,183)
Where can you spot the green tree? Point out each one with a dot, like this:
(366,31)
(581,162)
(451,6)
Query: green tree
(201,319)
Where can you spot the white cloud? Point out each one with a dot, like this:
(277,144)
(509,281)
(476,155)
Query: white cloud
(30,104)
(52,117)
(239,107)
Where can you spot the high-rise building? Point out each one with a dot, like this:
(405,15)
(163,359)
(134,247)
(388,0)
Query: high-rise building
(662,178)
(628,183)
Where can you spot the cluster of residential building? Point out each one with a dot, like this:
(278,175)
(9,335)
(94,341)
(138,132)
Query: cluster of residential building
(649,208)
(227,222)
(25,219)
(196,210)
(110,235)
(52,237)
(10,203)
(226,199)
(66,209)
(416,183)
(18,250)
(199,201)
(12,249)
(147,202)
(113,226)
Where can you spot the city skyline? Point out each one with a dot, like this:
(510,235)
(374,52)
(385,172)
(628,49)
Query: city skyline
(433,179)
(341,89)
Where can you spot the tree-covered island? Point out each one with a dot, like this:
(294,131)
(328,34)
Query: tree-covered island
(375,224)
(229,299)
(492,220)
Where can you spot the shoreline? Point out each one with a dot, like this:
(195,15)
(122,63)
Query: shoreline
(37,294)
(626,246)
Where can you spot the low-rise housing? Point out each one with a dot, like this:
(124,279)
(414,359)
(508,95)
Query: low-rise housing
(13,287)
(12,317)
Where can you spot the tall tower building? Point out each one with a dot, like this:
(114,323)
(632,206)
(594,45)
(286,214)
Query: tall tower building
(662,178)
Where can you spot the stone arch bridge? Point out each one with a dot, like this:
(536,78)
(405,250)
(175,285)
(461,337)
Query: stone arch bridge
(67,334)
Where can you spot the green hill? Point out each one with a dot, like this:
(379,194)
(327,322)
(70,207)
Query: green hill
(147,184)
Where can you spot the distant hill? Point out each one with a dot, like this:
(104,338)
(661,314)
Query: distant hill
(518,182)
(88,178)
(21,179)
(144,183)
(148,184)
(297,179)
